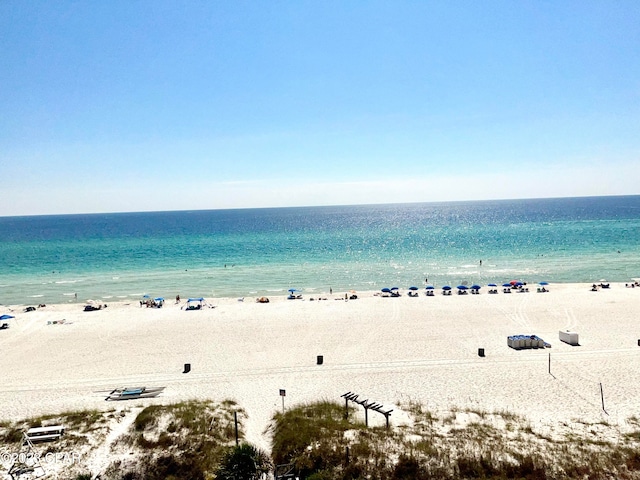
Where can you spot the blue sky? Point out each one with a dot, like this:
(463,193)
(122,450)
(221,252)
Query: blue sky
(154,105)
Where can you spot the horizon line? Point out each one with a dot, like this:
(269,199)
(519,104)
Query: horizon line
(435,202)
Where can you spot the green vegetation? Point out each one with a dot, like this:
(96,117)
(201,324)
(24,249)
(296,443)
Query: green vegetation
(10,434)
(301,434)
(244,462)
(462,444)
(76,424)
(196,440)
(187,440)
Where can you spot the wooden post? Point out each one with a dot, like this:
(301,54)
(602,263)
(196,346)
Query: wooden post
(602,398)
(346,408)
(346,455)
(235,418)
(549,363)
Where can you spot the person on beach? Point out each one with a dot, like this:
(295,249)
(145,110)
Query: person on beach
(177,298)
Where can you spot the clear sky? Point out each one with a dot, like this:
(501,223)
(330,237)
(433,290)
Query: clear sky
(156,105)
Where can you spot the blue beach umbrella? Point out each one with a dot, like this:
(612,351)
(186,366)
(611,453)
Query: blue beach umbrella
(291,290)
(413,288)
(446,287)
(462,287)
(491,285)
(429,287)
(6,317)
(395,288)
(475,287)
(385,290)
(543,283)
(507,285)
(159,299)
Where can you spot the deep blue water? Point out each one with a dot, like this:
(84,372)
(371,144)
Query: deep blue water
(250,252)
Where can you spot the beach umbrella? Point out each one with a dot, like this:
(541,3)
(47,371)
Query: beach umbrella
(395,288)
(446,287)
(413,288)
(6,317)
(513,282)
(475,287)
(429,287)
(543,283)
(385,290)
(491,285)
(507,285)
(159,299)
(462,287)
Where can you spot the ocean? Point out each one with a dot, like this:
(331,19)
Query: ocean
(256,252)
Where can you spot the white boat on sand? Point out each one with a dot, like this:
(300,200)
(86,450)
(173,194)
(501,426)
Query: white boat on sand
(130,393)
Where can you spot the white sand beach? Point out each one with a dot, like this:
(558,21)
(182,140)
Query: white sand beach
(389,350)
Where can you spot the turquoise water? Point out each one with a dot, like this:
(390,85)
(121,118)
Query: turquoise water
(251,252)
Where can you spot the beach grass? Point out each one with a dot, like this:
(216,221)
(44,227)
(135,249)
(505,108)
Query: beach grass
(195,439)
(462,443)
(185,440)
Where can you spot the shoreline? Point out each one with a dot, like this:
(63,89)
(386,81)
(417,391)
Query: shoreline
(391,350)
(281,294)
